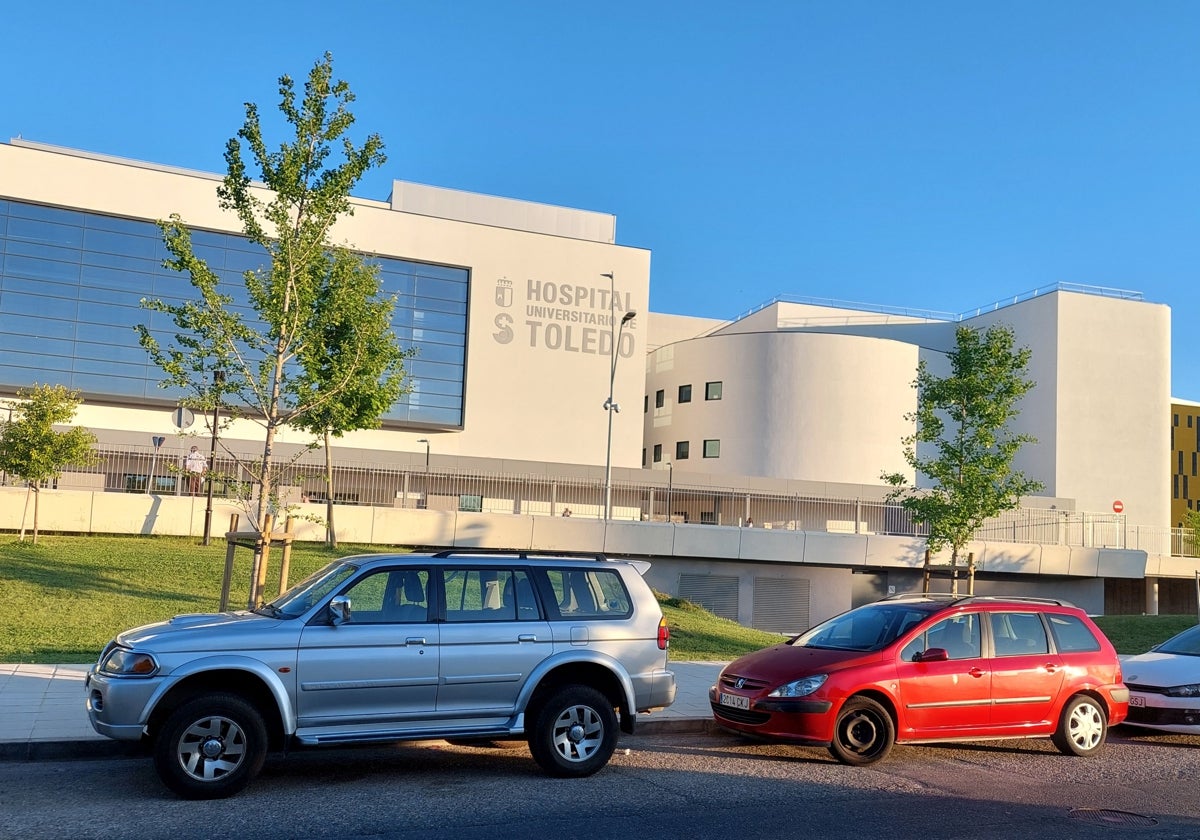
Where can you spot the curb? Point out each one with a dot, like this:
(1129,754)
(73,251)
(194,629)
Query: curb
(61,750)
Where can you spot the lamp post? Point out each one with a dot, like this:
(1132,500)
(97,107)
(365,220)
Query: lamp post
(670,481)
(614,337)
(426,442)
(218,380)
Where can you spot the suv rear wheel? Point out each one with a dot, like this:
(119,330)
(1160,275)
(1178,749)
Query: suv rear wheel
(575,732)
(211,747)
(1082,727)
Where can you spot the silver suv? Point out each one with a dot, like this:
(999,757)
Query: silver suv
(559,651)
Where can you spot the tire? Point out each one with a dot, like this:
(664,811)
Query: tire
(863,733)
(1082,728)
(211,747)
(575,732)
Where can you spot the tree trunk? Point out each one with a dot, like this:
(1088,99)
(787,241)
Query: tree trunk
(330,533)
(971,573)
(262,516)
(954,571)
(37,496)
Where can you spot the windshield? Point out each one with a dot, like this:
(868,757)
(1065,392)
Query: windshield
(1186,643)
(301,597)
(872,627)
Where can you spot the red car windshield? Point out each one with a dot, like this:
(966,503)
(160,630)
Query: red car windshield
(872,627)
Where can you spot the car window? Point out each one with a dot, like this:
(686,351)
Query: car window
(958,635)
(1018,633)
(392,596)
(588,593)
(872,627)
(1186,643)
(305,594)
(1071,634)
(489,595)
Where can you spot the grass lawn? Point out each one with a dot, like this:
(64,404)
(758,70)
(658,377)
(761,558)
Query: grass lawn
(67,596)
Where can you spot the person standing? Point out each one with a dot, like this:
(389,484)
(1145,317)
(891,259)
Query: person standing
(196,465)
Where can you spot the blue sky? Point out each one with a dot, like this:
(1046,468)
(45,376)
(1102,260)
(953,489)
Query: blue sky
(936,155)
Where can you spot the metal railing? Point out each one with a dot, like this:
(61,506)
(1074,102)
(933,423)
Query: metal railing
(135,469)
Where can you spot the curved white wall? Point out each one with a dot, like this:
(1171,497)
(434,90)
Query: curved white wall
(802,406)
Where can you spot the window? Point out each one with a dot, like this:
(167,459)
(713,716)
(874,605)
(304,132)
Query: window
(681,450)
(1018,634)
(657,452)
(396,596)
(712,390)
(712,449)
(69,260)
(958,636)
(470,503)
(1071,635)
(588,594)
(489,595)
(660,397)
(643,456)
(685,393)
(645,403)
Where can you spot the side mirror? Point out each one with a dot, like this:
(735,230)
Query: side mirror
(339,610)
(932,655)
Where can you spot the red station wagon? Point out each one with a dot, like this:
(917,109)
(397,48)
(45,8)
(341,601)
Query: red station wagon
(925,668)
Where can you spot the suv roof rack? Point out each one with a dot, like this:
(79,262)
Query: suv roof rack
(968,599)
(521,553)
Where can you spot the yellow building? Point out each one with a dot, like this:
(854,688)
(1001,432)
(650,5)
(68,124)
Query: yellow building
(1185,444)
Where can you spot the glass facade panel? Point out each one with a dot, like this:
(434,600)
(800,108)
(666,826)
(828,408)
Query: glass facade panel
(48,233)
(71,285)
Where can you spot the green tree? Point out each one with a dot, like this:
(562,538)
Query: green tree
(31,448)
(268,357)
(1190,529)
(357,356)
(961,422)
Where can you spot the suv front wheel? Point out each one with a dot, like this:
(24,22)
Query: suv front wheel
(211,747)
(575,732)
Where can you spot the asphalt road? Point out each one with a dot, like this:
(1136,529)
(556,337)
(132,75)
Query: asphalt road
(699,786)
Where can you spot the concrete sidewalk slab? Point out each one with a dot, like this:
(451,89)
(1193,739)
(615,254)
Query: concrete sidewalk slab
(43,716)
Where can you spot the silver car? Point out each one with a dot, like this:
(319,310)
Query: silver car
(558,651)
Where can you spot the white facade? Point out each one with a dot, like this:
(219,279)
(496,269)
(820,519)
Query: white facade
(808,391)
(818,391)
(537,349)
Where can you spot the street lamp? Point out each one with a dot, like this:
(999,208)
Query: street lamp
(426,442)
(670,481)
(218,380)
(614,337)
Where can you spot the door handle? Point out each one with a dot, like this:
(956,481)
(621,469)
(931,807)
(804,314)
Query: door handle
(414,640)
(977,672)
(1051,667)
(526,637)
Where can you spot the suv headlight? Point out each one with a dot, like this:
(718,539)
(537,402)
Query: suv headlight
(1183,691)
(128,663)
(800,688)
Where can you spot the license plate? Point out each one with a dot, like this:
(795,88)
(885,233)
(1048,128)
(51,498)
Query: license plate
(1134,700)
(735,701)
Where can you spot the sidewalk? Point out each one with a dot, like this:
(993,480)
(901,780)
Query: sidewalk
(43,716)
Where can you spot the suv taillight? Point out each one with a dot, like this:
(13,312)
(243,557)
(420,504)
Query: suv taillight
(664,634)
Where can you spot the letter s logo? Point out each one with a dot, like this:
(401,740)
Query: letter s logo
(503,324)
